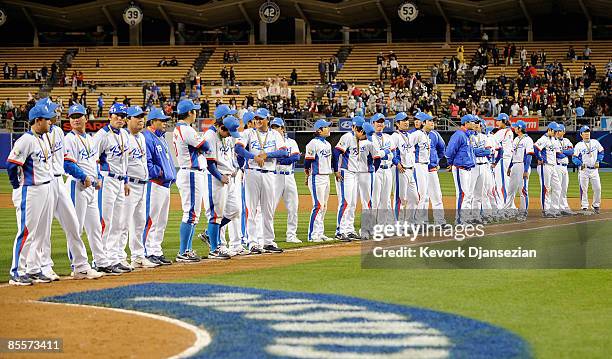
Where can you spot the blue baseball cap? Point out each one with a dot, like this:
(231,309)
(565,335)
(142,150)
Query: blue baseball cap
(584,129)
(277,121)
(117,108)
(321,124)
(38,111)
(422,116)
(157,114)
(232,124)
(76,108)
(369,130)
(553,126)
(503,117)
(560,127)
(248,117)
(262,112)
(134,111)
(520,124)
(376,117)
(400,116)
(358,121)
(185,106)
(467,118)
(223,110)
(579,111)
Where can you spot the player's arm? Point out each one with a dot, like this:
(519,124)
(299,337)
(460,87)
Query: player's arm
(294,156)
(241,147)
(155,171)
(529,151)
(451,149)
(600,154)
(577,157)
(211,164)
(19,154)
(281,150)
(440,146)
(569,150)
(197,141)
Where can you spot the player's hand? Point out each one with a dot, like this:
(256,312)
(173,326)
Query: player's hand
(339,177)
(493,165)
(126,190)
(540,162)
(225,179)
(526,175)
(400,168)
(508,172)
(87,182)
(596,164)
(259,160)
(97,184)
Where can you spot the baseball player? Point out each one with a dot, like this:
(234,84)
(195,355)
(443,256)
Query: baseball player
(482,151)
(434,192)
(317,168)
(161,176)
(383,179)
(422,146)
(111,144)
(406,195)
(461,160)
(546,150)
(285,187)
(222,203)
(189,180)
(247,120)
(504,137)
(134,218)
(30,174)
(588,154)
(493,201)
(567,150)
(520,168)
(261,147)
(80,163)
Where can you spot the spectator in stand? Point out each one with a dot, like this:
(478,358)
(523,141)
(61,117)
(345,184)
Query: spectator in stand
(226,55)
(512,52)
(394,67)
(294,77)
(322,70)
(224,76)
(100,105)
(6,70)
(162,62)
(80,78)
(495,55)
(571,53)
(44,72)
(332,68)
(192,77)
(434,74)
(232,76)
(542,56)
(534,59)
(97,63)
(75,81)
(14,72)
(379,64)
(174,61)
(586,53)
(523,56)
(460,53)
(83,98)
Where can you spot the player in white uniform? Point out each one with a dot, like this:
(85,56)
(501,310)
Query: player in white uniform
(189,179)
(134,218)
(434,191)
(520,168)
(567,150)
(588,154)
(482,151)
(383,179)
(82,185)
(504,137)
(422,145)
(285,187)
(111,144)
(546,150)
(494,202)
(261,147)
(317,168)
(223,192)
(29,171)
(406,196)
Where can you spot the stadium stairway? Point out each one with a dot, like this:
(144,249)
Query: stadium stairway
(203,58)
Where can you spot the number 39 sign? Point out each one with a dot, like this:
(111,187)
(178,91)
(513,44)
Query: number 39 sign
(133,15)
(408,11)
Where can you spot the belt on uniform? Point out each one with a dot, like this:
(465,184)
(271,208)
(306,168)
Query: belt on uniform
(40,184)
(58,175)
(135,180)
(262,171)
(192,169)
(286,173)
(484,163)
(423,163)
(384,167)
(120,178)
(563,164)
(591,168)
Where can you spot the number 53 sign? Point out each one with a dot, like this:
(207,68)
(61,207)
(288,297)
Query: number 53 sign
(408,11)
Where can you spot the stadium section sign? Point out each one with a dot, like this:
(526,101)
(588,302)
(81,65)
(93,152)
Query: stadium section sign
(408,11)
(269,12)
(133,15)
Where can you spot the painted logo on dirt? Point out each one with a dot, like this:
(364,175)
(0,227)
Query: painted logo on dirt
(256,323)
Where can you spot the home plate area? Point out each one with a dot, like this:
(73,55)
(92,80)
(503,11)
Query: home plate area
(256,323)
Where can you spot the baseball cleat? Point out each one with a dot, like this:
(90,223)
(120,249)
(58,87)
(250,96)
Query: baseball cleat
(40,278)
(144,263)
(87,274)
(20,280)
(110,270)
(163,260)
(124,266)
(238,251)
(596,210)
(153,259)
(204,238)
(326,238)
(189,256)
(316,240)
(52,275)
(568,212)
(255,250)
(219,253)
(293,240)
(270,248)
(342,237)
(353,236)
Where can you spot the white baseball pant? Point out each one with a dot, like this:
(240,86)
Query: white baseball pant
(259,188)
(234,201)
(286,189)
(434,195)
(520,185)
(492,201)
(381,196)
(586,176)
(34,218)
(406,196)
(564,183)
(319,187)
(112,203)
(421,175)
(502,182)
(135,218)
(478,180)
(464,192)
(156,212)
(550,188)
(365,184)
(347,190)
(191,189)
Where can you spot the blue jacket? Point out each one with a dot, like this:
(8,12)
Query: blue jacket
(159,162)
(459,152)
(437,147)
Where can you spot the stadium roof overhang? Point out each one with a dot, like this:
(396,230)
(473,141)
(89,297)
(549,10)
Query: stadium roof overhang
(212,14)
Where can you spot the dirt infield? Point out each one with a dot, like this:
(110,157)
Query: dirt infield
(89,332)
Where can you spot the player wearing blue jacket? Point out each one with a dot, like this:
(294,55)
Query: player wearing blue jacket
(461,160)
(434,192)
(161,176)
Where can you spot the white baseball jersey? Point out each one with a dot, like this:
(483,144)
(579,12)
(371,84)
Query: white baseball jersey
(422,146)
(319,151)
(33,154)
(137,157)
(187,143)
(221,151)
(111,144)
(587,152)
(480,141)
(384,142)
(504,137)
(401,141)
(80,149)
(55,139)
(549,147)
(252,140)
(355,154)
(293,149)
(565,145)
(523,145)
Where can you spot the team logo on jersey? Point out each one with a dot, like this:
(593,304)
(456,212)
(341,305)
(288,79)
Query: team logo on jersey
(256,323)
